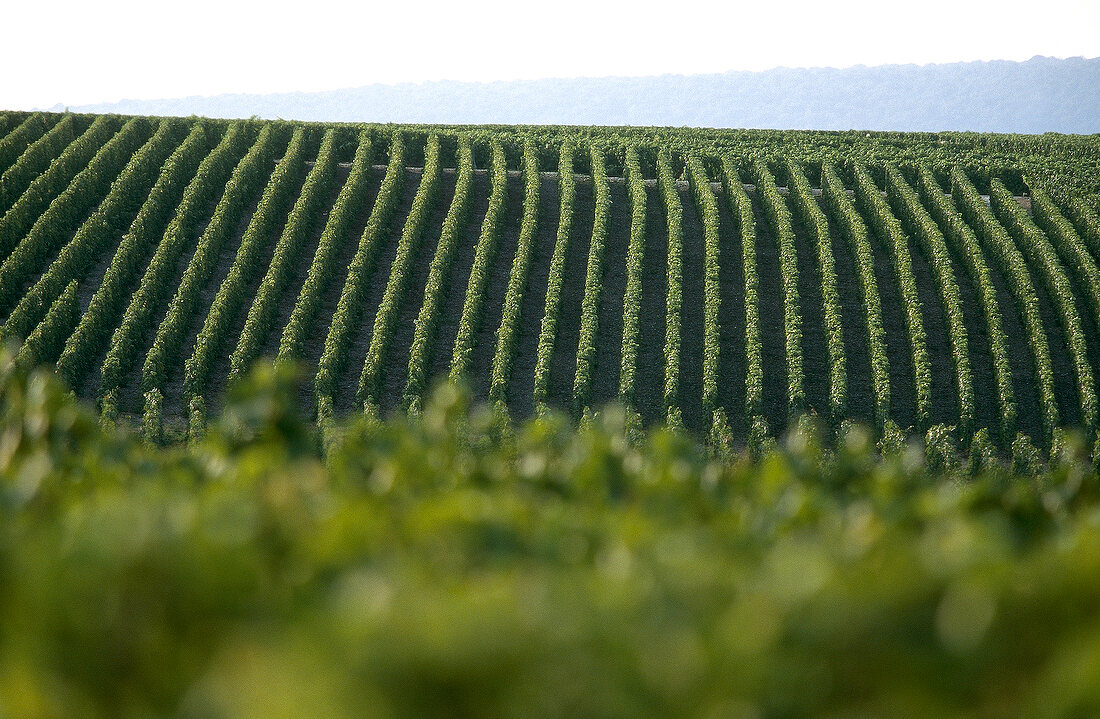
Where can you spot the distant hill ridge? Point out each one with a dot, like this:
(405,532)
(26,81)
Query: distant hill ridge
(1040,95)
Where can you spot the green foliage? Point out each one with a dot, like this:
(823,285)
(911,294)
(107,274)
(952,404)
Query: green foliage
(779,219)
(1087,222)
(1058,253)
(1007,257)
(855,235)
(209,179)
(593,284)
(817,227)
(508,331)
(889,231)
(549,328)
(299,223)
(34,201)
(921,226)
(707,207)
(965,246)
(349,309)
(272,207)
(741,208)
(449,565)
(89,242)
(34,158)
(143,234)
(348,203)
(1043,257)
(247,179)
(75,180)
(29,131)
(427,321)
(674,211)
(152,421)
(45,342)
(69,209)
(400,274)
(473,305)
(635,267)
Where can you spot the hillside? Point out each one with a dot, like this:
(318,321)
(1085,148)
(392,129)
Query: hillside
(849,467)
(725,280)
(1040,95)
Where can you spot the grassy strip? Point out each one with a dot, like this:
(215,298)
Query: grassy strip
(635,268)
(779,217)
(674,299)
(707,206)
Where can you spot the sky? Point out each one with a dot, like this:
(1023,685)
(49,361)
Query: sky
(74,53)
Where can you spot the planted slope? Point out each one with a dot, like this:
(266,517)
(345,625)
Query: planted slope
(551,270)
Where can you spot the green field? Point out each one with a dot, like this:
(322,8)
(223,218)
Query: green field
(742,423)
(723,280)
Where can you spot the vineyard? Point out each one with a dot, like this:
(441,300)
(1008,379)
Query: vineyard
(722,281)
(742,423)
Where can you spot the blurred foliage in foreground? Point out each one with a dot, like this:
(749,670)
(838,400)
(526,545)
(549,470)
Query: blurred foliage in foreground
(446,566)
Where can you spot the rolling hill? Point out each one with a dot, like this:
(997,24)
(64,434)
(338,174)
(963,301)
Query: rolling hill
(723,280)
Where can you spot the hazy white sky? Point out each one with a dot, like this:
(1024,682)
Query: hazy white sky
(86,51)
